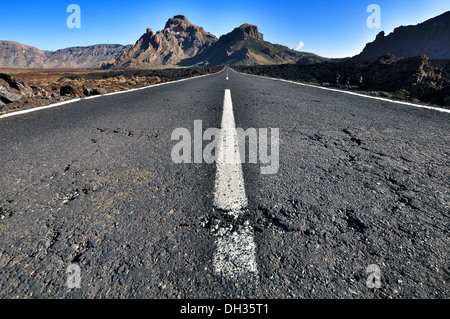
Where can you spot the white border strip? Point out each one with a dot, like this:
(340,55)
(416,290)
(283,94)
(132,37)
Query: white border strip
(40,108)
(352,93)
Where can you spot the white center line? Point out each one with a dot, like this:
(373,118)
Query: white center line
(235,254)
(229,192)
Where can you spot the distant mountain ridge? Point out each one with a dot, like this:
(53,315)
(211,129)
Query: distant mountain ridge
(17,55)
(431,38)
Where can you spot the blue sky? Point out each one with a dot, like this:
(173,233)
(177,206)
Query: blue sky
(328,28)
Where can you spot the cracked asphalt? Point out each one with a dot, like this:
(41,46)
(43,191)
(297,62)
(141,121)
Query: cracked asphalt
(360,182)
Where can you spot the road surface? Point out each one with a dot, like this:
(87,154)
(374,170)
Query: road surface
(93,183)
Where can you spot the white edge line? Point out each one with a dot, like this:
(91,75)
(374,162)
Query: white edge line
(40,108)
(352,93)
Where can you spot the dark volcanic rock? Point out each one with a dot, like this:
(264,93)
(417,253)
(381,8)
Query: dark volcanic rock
(12,89)
(393,74)
(67,90)
(415,78)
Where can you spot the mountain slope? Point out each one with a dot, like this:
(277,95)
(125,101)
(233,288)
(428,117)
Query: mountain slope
(84,57)
(17,55)
(245,45)
(431,38)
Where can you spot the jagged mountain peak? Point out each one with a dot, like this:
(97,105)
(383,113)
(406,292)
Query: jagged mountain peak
(248,28)
(178,22)
(251,31)
(177,19)
(243,32)
(179,40)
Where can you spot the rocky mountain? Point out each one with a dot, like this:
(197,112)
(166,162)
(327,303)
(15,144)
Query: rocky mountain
(245,45)
(431,38)
(179,40)
(17,55)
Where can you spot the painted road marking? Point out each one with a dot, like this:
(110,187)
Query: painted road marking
(229,188)
(235,254)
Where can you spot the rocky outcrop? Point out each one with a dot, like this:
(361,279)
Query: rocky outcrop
(431,38)
(12,89)
(179,40)
(6,96)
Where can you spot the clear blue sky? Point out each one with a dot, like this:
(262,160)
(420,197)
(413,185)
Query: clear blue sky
(326,27)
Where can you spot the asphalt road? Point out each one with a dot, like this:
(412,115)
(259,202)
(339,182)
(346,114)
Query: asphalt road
(360,182)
